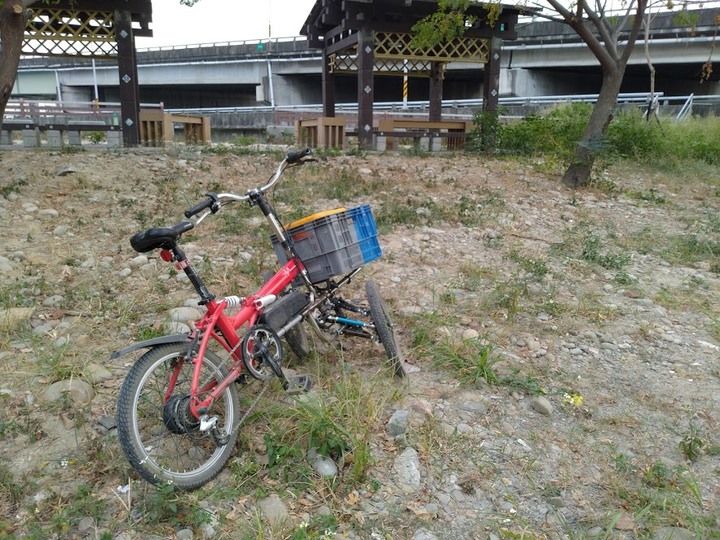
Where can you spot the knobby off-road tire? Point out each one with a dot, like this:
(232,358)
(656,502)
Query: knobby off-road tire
(384,328)
(160,438)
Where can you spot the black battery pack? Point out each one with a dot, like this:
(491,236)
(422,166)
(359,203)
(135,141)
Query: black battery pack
(283,309)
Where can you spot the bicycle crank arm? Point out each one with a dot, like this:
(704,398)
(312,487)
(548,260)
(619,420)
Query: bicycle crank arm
(355,333)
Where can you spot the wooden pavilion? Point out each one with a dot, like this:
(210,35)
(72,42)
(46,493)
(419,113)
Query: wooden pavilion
(374,37)
(103,29)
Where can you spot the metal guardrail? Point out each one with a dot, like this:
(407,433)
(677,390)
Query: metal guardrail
(45,110)
(243,43)
(399,106)
(42,112)
(23,107)
(686,109)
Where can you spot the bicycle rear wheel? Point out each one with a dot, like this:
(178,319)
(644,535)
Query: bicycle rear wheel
(159,435)
(384,328)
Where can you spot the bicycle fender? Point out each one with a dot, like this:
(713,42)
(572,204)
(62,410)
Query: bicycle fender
(163,340)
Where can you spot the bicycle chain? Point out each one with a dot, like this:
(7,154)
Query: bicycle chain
(266,385)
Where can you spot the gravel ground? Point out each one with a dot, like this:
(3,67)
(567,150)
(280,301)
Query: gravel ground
(601,308)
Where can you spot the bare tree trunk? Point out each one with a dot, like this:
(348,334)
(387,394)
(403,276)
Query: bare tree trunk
(12,28)
(578,173)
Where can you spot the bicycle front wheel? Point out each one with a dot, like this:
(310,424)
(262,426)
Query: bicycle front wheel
(161,438)
(384,328)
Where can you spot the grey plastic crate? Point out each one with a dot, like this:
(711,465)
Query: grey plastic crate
(328,246)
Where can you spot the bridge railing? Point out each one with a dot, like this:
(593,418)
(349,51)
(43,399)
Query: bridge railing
(253,42)
(412,107)
(45,111)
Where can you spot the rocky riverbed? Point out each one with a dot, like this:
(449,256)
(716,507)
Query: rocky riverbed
(597,415)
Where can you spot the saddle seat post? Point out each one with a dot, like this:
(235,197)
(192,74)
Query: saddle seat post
(174,253)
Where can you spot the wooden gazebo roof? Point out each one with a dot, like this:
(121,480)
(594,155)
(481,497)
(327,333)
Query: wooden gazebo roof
(332,21)
(95,29)
(375,37)
(333,26)
(83,27)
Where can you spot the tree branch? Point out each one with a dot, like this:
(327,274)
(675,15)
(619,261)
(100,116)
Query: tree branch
(607,62)
(546,17)
(626,17)
(600,23)
(637,24)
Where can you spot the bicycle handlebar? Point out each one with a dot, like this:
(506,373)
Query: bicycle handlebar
(294,157)
(213,201)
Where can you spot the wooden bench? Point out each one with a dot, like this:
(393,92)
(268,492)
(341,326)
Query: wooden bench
(157,128)
(454,131)
(323,132)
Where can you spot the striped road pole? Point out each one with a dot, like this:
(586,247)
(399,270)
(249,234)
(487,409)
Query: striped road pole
(405,83)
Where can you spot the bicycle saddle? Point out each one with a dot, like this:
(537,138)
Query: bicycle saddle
(159,237)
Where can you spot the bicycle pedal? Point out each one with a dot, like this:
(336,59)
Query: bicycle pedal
(298,384)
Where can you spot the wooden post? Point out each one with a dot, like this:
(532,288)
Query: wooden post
(365,62)
(436,91)
(491,86)
(127,70)
(328,87)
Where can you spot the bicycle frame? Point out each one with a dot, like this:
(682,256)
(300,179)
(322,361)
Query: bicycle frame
(178,410)
(224,329)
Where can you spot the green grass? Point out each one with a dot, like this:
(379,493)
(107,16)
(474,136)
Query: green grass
(674,147)
(470,360)
(338,424)
(584,242)
(650,196)
(535,267)
(475,211)
(13,187)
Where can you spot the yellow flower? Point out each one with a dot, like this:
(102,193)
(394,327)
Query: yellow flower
(576,400)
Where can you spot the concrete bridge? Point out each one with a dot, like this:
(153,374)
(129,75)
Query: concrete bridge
(548,58)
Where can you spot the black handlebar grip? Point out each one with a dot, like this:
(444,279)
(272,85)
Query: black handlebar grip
(295,156)
(210,202)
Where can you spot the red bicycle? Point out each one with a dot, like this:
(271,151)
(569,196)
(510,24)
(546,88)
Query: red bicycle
(178,412)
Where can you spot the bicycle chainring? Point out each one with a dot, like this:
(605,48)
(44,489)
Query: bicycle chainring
(262,352)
